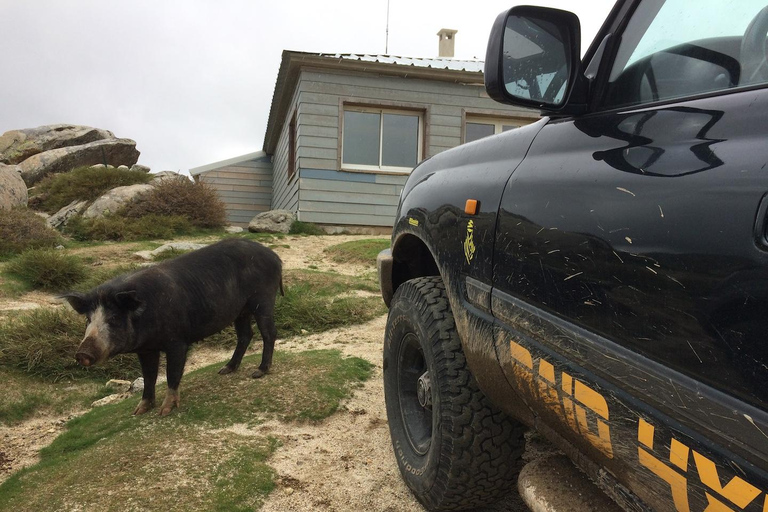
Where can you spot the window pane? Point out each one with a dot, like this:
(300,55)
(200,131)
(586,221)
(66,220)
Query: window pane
(507,127)
(478,131)
(671,50)
(400,141)
(361,138)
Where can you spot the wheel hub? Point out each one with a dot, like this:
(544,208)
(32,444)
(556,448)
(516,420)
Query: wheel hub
(424,391)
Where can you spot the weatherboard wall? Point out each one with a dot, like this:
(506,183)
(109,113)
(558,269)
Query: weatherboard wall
(244,187)
(322,191)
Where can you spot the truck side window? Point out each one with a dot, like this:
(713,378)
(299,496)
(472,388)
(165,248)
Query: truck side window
(675,49)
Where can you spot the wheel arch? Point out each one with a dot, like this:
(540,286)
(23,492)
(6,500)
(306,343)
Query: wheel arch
(412,258)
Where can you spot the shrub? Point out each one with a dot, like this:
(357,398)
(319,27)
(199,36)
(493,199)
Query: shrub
(83,183)
(305,228)
(43,341)
(22,229)
(118,228)
(48,269)
(197,202)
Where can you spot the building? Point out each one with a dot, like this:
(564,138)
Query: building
(345,130)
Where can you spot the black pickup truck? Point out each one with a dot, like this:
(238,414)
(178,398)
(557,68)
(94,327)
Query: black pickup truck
(600,275)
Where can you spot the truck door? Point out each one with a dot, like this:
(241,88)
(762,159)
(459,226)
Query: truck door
(631,258)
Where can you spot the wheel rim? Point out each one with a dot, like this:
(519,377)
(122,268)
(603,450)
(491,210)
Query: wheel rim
(415,394)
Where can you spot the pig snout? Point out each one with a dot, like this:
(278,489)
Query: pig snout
(85,359)
(90,352)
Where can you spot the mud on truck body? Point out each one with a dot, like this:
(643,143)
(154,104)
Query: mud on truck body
(601,275)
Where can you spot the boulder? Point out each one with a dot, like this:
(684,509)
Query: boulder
(115,199)
(110,151)
(139,167)
(233,229)
(13,190)
(173,246)
(18,145)
(123,168)
(273,221)
(137,386)
(61,217)
(121,386)
(168,175)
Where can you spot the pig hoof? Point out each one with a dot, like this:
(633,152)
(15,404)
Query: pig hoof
(258,374)
(225,370)
(171,401)
(144,406)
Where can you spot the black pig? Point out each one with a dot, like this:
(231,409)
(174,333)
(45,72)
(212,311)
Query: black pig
(169,306)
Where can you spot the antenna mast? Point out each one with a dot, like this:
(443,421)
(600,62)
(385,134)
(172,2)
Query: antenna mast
(386,42)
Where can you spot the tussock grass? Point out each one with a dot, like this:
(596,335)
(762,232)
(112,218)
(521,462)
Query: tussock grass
(83,183)
(197,202)
(118,228)
(357,251)
(213,468)
(21,229)
(305,228)
(42,343)
(47,269)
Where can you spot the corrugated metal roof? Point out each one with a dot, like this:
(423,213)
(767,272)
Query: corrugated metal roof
(473,66)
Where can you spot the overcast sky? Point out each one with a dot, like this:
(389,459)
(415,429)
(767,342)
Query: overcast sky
(191,81)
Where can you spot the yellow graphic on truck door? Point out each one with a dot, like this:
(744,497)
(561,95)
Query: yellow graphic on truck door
(469,242)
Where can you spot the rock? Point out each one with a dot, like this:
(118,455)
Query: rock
(61,217)
(111,399)
(233,229)
(115,199)
(13,190)
(102,166)
(121,386)
(110,151)
(18,145)
(167,175)
(123,168)
(273,221)
(174,246)
(137,386)
(59,247)
(139,168)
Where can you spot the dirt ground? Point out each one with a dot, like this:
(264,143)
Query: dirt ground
(343,463)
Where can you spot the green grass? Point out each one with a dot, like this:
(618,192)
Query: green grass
(47,269)
(84,183)
(358,251)
(25,396)
(315,302)
(169,255)
(305,228)
(213,468)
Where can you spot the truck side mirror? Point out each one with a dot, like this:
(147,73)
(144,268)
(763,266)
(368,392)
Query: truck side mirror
(533,57)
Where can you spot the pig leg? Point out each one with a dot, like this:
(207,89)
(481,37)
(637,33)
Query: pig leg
(269,335)
(150,361)
(244,332)
(176,358)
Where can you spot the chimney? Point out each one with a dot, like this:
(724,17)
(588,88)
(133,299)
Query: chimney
(446,36)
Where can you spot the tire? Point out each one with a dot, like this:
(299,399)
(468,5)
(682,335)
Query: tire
(462,453)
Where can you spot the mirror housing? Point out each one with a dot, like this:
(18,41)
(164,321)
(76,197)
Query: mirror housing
(533,59)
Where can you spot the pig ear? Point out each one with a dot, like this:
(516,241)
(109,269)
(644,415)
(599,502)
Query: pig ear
(77,300)
(130,301)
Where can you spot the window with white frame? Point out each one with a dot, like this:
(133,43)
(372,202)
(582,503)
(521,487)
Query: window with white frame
(381,139)
(477,127)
